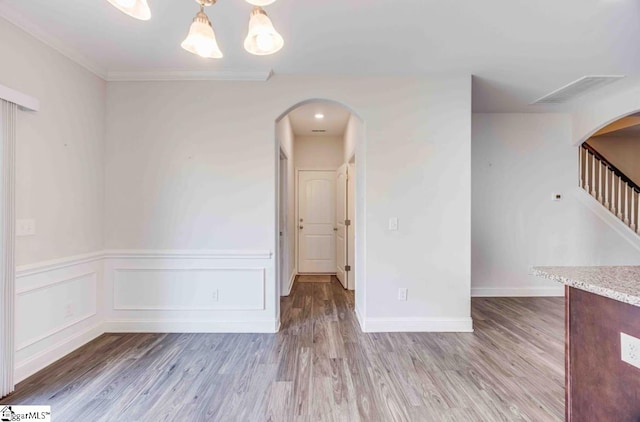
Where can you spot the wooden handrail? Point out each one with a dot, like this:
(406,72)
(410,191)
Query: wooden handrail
(613,168)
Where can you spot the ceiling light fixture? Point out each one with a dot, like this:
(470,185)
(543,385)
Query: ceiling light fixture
(319,116)
(262,38)
(138,9)
(201,39)
(261,2)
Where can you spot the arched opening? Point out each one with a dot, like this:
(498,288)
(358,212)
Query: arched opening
(320,199)
(608,169)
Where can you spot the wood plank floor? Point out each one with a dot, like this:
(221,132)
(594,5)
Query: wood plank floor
(320,367)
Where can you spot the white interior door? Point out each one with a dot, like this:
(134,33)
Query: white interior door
(341,232)
(317,219)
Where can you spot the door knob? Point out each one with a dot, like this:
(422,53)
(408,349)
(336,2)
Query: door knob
(335,229)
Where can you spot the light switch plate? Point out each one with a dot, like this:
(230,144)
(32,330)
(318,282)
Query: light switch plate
(393,223)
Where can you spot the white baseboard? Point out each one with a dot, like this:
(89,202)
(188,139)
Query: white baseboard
(45,358)
(190,326)
(418,325)
(517,291)
(291,280)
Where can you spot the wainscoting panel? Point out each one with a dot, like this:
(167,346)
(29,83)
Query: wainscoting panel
(57,309)
(64,302)
(189,289)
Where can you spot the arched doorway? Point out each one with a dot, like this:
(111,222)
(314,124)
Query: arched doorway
(608,170)
(329,137)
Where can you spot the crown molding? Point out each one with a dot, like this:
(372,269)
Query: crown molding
(187,75)
(20,21)
(17,19)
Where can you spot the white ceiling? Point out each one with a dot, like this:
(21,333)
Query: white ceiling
(519,50)
(303,121)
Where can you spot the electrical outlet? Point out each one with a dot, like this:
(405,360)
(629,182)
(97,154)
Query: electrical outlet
(25,227)
(402,294)
(630,347)
(69,310)
(215,295)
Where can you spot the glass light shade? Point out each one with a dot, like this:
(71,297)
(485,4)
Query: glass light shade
(138,9)
(263,39)
(261,2)
(201,39)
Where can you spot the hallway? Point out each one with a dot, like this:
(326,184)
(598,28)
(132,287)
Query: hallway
(320,366)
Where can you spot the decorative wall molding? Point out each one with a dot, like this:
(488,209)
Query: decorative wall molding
(202,301)
(57,264)
(24,101)
(9,14)
(45,358)
(186,254)
(55,331)
(188,75)
(517,291)
(417,325)
(51,283)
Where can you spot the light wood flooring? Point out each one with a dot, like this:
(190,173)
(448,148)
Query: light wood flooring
(319,367)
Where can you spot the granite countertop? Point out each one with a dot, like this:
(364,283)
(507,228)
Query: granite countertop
(618,283)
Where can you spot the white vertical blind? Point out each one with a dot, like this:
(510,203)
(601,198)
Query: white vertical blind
(7,243)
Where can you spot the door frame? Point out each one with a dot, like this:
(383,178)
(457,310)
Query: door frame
(296,198)
(283,240)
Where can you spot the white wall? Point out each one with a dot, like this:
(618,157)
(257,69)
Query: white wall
(59,183)
(176,180)
(59,162)
(352,134)
(319,152)
(284,135)
(519,162)
(623,152)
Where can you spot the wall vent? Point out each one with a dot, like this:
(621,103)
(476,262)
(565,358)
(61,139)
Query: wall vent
(318,131)
(577,88)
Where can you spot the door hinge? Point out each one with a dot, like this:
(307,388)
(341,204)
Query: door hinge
(347,222)
(347,268)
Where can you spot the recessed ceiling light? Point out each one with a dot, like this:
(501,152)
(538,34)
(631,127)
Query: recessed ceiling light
(319,116)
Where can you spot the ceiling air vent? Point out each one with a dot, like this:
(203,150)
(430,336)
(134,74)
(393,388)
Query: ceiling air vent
(318,131)
(577,88)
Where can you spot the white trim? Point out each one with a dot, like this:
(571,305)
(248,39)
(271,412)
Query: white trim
(17,19)
(53,283)
(418,325)
(45,358)
(294,274)
(517,291)
(188,75)
(359,318)
(608,218)
(117,307)
(190,326)
(54,331)
(186,254)
(24,101)
(57,264)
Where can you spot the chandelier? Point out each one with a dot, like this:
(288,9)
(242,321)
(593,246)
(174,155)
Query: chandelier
(262,38)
